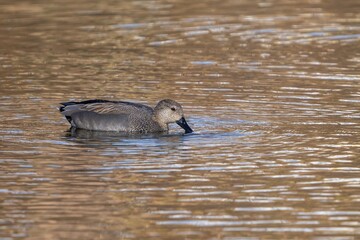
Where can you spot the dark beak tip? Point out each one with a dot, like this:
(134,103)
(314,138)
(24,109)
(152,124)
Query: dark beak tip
(182,123)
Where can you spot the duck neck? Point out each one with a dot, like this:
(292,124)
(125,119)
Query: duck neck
(162,124)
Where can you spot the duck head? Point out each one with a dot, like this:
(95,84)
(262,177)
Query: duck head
(169,111)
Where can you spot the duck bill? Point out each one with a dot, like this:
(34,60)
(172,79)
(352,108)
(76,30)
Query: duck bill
(182,123)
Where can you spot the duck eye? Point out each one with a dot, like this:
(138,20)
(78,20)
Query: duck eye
(173,109)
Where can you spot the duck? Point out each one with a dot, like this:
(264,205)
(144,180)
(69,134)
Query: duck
(123,116)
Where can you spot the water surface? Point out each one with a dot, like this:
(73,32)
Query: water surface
(271,88)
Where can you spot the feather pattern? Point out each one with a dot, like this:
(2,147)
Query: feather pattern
(114,108)
(107,115)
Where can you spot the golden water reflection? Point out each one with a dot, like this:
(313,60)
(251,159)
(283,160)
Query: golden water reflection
(270,88)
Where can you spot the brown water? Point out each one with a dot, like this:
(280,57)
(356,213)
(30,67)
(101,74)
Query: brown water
(272,89)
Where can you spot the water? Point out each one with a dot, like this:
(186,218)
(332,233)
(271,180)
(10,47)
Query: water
(271,88)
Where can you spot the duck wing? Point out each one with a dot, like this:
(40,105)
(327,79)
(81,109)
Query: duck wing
(103,107)
(102,114)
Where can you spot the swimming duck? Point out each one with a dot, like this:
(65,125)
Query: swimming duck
(122,116)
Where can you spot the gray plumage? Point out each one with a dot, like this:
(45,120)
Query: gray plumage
(103,115)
